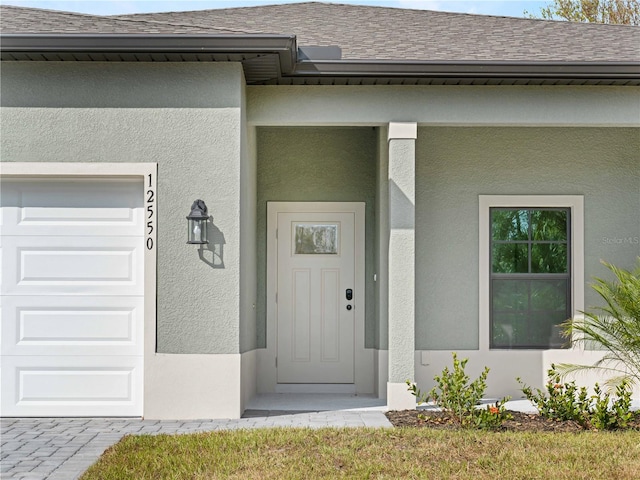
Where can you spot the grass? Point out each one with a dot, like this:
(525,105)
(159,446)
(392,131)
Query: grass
(406,453)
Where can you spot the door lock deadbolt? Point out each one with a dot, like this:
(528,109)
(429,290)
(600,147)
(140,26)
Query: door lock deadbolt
(349,307)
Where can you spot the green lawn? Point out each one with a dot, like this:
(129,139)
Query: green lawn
(372,453)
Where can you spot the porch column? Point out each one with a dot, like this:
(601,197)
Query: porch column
(402,138)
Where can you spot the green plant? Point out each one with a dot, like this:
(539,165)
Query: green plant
(609,415)
(614,328)
(492,416)
(459,397)
(561,401)
(565,401)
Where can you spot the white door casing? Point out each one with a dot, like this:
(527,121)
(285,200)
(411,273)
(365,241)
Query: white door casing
(320,254)
(72,293)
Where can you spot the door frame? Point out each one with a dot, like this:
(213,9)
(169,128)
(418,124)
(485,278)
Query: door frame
(363,357)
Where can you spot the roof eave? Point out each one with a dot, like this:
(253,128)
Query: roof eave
(283,45)
(470,69)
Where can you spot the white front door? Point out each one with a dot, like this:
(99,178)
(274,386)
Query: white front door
(319,290)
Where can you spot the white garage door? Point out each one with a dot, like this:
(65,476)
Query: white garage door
(71,338)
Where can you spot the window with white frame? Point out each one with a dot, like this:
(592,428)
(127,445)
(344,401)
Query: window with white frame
(531,269)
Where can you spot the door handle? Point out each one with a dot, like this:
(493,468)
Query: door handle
(349,294)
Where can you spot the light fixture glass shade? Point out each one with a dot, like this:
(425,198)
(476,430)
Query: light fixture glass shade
(197,223)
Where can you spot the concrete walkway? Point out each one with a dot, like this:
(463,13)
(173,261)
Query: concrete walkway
(63,448)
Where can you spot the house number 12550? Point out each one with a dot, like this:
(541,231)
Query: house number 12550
(149,198)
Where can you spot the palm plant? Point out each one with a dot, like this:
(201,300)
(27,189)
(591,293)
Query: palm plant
(614,328)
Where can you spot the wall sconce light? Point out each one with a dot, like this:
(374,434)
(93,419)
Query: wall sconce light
(197,224)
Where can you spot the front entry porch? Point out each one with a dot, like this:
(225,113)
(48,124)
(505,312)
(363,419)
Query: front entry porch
(370,166)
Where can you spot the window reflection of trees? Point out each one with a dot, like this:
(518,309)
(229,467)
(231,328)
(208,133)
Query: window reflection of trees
(530,281)
(316,239)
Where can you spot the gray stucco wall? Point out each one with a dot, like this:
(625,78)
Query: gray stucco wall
(185,117)
(455,165)
(327,164)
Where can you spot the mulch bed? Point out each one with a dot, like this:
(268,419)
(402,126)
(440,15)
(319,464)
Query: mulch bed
(521,422)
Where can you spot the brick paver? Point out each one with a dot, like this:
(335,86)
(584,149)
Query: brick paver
(63,448)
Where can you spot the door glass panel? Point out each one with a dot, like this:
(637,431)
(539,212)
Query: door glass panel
(314,239)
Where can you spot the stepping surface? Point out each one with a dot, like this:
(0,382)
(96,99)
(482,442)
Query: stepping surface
(63,448)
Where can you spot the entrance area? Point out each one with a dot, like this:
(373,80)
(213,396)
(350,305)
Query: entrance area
(315,293)
(318,294)
(317,191)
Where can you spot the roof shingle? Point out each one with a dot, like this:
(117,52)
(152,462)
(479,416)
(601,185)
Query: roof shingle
(34,20)
(366,32)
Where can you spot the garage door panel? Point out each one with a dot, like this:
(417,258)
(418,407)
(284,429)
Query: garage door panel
(53,325)
(72,266)
(58,386)
(88,208)
(84,192)
(73,221)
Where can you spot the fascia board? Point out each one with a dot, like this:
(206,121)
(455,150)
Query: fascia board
(469,69)
(283,45)
(286,47)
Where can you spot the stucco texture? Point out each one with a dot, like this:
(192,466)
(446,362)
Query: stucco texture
(401,315)
(324,164)
(185,117)
(455,165)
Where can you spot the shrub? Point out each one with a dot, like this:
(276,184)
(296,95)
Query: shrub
(456,395)
(562,401)
(565,401)
(610,415)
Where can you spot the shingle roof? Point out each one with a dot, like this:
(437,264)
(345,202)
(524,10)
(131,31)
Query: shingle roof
(365,32)
(34,20)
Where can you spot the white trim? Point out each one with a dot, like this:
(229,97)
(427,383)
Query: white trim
(39,169)
(575,203)
(68,169)
(403,130)
(248,375)
(190,386)
(399,397)
(381,362)
(267,359)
